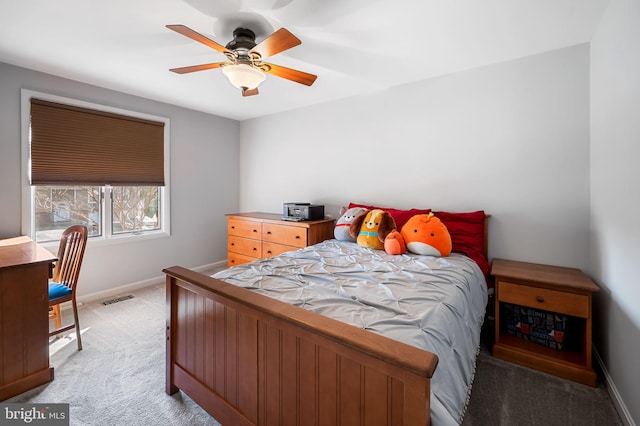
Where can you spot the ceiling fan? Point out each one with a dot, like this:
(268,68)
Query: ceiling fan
(245,68)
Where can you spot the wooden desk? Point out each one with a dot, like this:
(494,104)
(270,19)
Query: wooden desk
(25,268)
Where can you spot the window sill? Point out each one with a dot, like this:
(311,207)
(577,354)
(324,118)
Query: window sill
(116,239)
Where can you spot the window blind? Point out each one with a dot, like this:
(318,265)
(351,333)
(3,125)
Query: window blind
(72,145)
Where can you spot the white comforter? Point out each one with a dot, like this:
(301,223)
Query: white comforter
(437,304)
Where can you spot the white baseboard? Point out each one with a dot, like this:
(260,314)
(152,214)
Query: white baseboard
(621,407)
(117,291)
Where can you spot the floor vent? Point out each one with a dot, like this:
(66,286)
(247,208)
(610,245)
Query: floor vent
(117,299)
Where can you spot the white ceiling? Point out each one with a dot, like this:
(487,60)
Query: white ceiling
(353,46)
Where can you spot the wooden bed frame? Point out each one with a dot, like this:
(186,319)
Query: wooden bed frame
(248,359)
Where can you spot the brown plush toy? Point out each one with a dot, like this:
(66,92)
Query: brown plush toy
(371,228)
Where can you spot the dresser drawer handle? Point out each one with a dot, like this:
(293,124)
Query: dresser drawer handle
(233,227)
(233,244)
(268,232)
(269,251)
(255,230)
(255,249)
(540,299)
(297,237)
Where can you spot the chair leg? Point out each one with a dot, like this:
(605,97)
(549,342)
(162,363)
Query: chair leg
(77,323)
(57,318)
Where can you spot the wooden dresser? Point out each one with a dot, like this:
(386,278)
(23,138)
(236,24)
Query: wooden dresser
(254,236)
(25,268)
(562,291)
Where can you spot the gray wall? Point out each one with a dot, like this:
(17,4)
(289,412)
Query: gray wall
(615,189)
(510,138)
(204,183)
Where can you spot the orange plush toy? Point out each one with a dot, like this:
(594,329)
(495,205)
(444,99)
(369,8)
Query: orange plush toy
(425,234)
(394,243)
(371,228)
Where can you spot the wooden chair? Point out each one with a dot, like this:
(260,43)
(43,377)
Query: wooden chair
(63,286)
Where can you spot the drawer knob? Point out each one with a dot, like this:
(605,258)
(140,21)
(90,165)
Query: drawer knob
(233,244)
(297,237)
(255,249)
(268,232)
(269,251)
(540,299)
(233,227)
(255,230)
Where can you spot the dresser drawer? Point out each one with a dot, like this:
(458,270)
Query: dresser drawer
(273,249)
(286,235)
(544,299)
(244,228)
(234,259)
(252,236)
(245,246)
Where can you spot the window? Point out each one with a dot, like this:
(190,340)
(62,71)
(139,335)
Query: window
(58,207)
(83,167)
(134,209)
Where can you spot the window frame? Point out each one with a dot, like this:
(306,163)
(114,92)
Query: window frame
(28,191)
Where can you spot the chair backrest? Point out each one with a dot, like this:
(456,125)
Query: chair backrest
(70,254)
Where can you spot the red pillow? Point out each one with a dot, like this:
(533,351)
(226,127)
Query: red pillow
(467,235)
(399,216)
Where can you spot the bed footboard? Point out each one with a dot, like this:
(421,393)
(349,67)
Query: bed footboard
(248,359)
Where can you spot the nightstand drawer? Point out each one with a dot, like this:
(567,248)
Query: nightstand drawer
(244,228)
(282,234)
(541,298)
(244,246)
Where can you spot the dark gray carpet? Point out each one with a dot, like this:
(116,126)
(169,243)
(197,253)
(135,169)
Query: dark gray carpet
(118,379)
(506,394)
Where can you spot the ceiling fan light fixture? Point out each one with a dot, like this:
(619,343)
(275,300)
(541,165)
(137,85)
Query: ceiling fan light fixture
(245,69)
(244,76)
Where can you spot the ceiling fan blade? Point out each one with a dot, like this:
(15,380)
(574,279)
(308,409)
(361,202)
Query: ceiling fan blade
(188,32)
(249,92)
(291,74)
(277,42)
(193,68)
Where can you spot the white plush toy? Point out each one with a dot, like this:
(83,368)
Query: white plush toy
(341,231)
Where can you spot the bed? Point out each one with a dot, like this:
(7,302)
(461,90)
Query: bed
(330,334)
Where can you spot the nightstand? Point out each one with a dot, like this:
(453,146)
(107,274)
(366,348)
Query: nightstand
(256,235)
(566,292)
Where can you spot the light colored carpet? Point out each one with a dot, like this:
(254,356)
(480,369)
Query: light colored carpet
(118,378)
